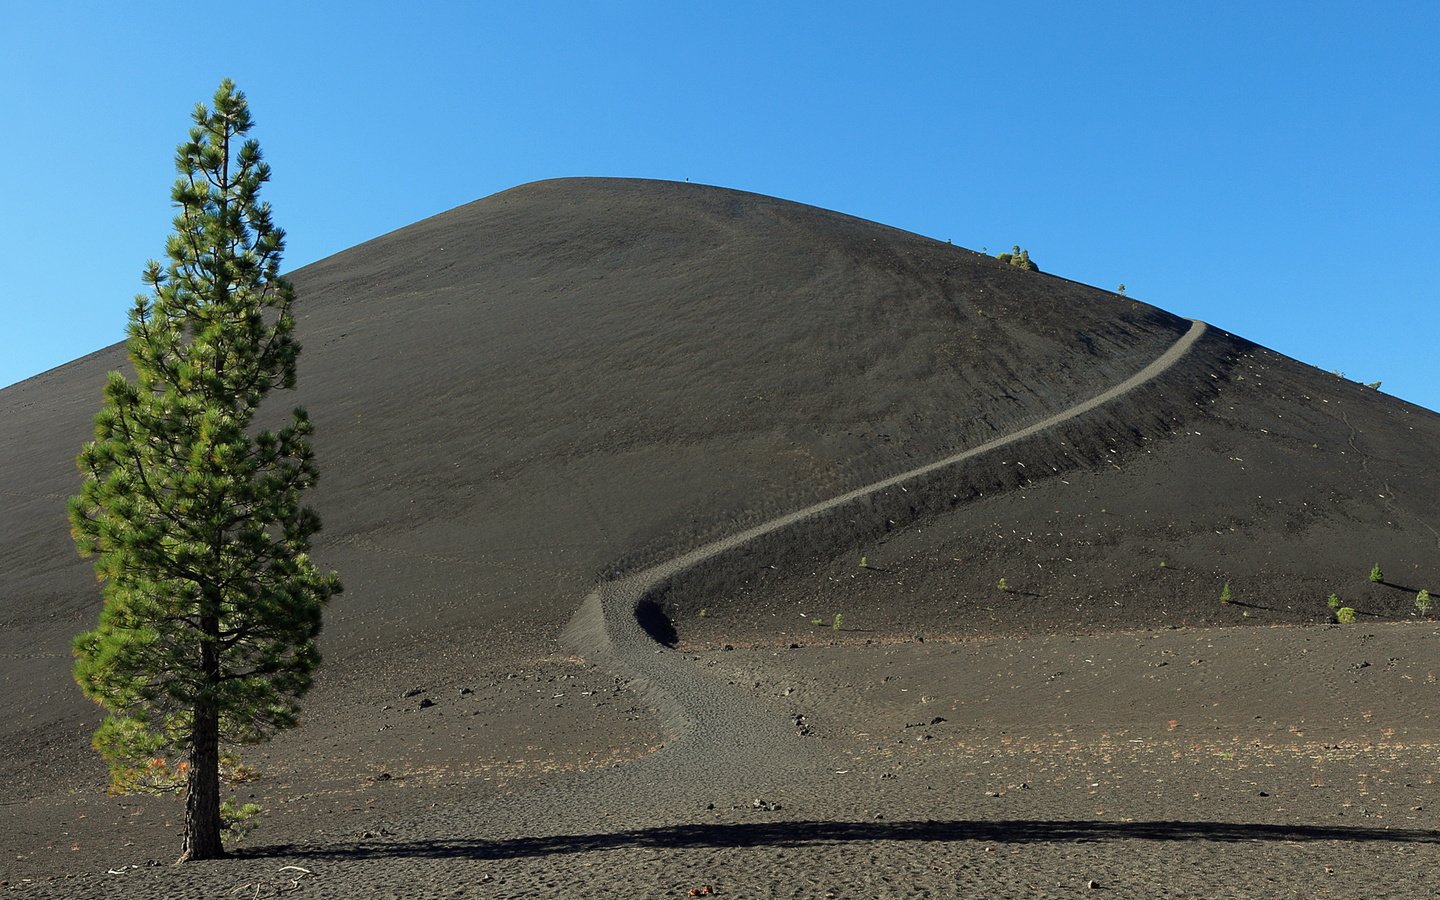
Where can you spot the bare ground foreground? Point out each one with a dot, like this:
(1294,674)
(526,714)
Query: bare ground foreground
(1232,762)
(604,460)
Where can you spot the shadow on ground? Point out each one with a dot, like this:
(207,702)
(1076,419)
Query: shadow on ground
(797,834)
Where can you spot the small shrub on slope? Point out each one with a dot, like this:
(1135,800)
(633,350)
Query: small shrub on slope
(1018,258)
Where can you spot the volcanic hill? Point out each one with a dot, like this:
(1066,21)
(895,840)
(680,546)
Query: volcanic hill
(569,382)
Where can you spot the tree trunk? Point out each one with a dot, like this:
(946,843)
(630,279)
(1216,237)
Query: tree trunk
(202,790)
(202,782)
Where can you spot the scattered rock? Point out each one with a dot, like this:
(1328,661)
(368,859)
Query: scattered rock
(766,805)
(1093,885)
(935,721)
(413,692)
(465,691)
(383,776)
(426,703)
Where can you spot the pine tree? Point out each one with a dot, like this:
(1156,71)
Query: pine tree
(1019,258)
(212,603)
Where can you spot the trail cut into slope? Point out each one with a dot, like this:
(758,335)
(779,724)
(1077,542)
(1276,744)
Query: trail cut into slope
(712,727)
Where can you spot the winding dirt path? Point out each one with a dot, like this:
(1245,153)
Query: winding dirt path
(716,730)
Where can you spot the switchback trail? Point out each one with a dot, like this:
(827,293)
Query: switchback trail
(717,733)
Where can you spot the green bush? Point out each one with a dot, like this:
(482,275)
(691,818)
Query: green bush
(1333,601)
(1018,258)
(1423,601)
(1225,595)
(1376,575)
(1345,615)
(235,818)
(1003,585)
(839,619)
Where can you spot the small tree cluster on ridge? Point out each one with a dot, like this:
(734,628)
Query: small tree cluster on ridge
(1018,258)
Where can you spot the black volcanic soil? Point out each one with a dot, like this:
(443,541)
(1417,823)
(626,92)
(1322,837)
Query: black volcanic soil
(1232,762)
(1288,485)
(575,378)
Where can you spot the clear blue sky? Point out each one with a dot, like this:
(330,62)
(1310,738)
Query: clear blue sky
(1271,168)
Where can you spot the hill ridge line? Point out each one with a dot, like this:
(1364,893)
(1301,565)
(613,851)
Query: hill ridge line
(606,628)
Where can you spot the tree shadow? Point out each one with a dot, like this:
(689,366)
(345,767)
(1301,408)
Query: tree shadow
(1248,605)
(1388,617)
(1398,587)
(801,834)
